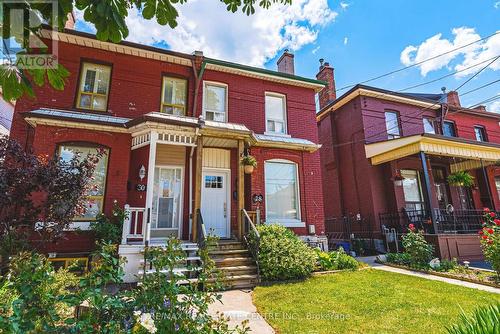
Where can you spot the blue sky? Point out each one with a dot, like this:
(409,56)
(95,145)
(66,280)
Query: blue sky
(361,39)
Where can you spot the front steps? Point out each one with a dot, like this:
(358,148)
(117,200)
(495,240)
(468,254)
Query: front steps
(234,260)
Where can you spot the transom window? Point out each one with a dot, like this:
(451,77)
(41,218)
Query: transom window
(429,125)
(392,124)
(173,98)
(282,192)
(449,129)
(94,198)
(276,113)
(480,133)
(94,87)
(215,101)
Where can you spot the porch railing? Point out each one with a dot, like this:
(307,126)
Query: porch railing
(456,222)
(253,244)
(201,230)
(134,224)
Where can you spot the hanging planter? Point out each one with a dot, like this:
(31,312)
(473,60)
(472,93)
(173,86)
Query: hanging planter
(461,179)
(249,162)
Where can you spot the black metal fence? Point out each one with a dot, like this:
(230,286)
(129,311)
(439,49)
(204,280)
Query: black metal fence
(353,233)
(400,221)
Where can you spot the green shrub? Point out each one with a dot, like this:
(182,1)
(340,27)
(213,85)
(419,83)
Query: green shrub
(109,229)
(282,255)
(484,320)
(420,251)
(490,240)
(447,265)
(403,259)
(336,260)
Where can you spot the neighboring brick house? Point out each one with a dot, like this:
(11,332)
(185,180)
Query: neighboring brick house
(386,157)
(175,127)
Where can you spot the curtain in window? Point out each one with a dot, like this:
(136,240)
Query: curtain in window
(281,191)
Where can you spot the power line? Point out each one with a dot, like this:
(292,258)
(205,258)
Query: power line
(488,100)
(481,87)
(418,63)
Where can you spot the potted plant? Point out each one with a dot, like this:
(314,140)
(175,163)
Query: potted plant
(461,179)
(249,162)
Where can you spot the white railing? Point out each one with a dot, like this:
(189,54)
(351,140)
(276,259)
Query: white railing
(134,224)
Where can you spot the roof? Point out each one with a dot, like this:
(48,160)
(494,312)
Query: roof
(77,116)
(389,150)
(90,40)
(285,141)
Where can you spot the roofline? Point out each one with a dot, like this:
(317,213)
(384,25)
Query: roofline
(364,90)
(264,71)
(31,115)
(313,83)
(473,111)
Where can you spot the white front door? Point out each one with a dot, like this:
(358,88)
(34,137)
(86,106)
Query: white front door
(167,202)
(215,202)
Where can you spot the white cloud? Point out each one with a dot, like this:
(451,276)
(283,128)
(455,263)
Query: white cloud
(207,26)
(346,40)
(496,5)
(456,60)
(494,107)
(344,5)
(315,50)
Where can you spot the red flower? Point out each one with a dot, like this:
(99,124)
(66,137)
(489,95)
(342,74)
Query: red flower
(490,231)
(492,214)
(485,237)
(486,210)
(411,227)
(490,242)
(497,221)
(480,232)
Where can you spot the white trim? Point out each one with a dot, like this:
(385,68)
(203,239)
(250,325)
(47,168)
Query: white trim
(181,201)
(227,171)
(285,114)
(286,222)
(79,225)
(216,84)
(150,184)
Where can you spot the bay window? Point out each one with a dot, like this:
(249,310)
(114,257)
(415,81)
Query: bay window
(94,87)
(94,198)
(173,97)
(275,106)
(282,192)
(215,101)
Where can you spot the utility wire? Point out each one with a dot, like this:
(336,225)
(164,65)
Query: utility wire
(418,63)
(480,87)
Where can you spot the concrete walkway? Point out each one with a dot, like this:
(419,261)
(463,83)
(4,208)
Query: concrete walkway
(237,305)
(370,260)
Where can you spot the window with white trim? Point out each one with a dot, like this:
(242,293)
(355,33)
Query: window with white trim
(215,101)
(94,198)
(275,113)
(94,87)
(282,192)
(173,97)
(429,125)
(392,124)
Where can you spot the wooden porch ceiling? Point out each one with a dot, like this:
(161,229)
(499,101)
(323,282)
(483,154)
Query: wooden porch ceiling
(390,150)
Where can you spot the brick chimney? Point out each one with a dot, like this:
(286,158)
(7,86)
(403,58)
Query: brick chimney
(480,108)
(286,63)
(70,23)
(453,98)
(327,94)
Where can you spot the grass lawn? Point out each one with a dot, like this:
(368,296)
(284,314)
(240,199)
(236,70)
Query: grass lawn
(366,301)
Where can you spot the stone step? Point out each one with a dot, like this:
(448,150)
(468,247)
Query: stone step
(229,253)
(223,245)
(239,270)
(234,261)
(241,281)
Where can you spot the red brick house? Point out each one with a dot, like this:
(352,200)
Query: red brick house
(175,127)
(386,157)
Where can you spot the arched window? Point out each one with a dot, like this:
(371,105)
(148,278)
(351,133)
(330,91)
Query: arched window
(282,192)
(94,200)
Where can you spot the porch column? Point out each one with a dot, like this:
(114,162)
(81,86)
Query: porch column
(428,191)
(487,181)
(146,230)
(241,188)
(197,185)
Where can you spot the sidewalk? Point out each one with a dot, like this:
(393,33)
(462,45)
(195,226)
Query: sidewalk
(370,260)
(238,306)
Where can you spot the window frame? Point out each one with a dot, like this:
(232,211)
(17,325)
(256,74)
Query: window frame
(104,193)
(166,77)
(420,190)
(497,185)
(285,114)
(284,221)
(453,126)
(83,64)
(391,136)
(483,134)
(216,84)
(432,121)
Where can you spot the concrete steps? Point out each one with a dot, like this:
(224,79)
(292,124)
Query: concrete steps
(234,260)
